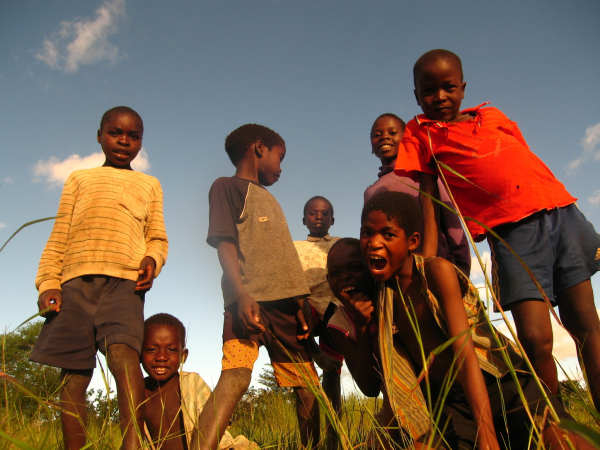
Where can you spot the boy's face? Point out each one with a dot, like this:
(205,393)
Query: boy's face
(439,89)
(385,246)
(348,277)
(162,352)
(269,164)
(386,134)
(121,139)
(318,217)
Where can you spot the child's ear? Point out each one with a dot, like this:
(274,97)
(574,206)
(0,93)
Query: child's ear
(259,149)
(414,240)
(98,135)
(416,98)
(184,355)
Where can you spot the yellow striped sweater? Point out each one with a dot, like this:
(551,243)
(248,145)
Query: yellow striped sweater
(108,220)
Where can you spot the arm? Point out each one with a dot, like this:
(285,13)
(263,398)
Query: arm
(430,223)
(360,359)
(49,273)
(248,309)
(443,283)
(155,234)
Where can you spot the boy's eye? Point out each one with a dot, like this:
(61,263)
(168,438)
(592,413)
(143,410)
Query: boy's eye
(388,235)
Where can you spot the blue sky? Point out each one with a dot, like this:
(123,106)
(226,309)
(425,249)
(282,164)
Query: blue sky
(317,72)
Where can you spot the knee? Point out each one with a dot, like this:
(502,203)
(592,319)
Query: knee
(537,341)
(121,357)
(75,382)
(305,396)
(236,380)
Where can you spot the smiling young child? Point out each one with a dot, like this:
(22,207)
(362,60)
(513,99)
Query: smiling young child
(499,182)
(263,285)
(424,304)
(174,399)
(386,134)
(107,246)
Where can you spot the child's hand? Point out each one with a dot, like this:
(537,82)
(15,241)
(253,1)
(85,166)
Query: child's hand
(49,302)
(303,329)
(146,274)
(249,314)
(359,306)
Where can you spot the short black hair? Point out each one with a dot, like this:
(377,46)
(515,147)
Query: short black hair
(317,197)
(168,320)
(117,110)
(432,55)
(352,242)
(403,208)
(238,141)
(393,116)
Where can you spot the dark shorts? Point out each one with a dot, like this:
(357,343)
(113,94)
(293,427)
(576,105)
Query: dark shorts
(290,358)
(97,311)
(560,247)
(513,426)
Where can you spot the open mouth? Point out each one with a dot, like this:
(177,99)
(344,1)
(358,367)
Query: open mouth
(377,262)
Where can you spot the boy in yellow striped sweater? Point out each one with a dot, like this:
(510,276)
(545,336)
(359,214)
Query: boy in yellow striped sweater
(107,246)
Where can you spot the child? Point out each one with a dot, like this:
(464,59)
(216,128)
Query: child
(174,399)
(386,133)
(496,180)
(318,218)
(107,246)
(425,304)
(262,282)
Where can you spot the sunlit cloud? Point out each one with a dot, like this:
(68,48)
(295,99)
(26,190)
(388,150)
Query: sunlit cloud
(2,225)
(591,148)
(54,171)
(83,41)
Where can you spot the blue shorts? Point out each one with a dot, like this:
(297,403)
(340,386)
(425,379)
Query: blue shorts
(559,246)
(97,311)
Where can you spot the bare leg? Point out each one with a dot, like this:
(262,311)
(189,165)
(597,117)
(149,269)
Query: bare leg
(124,364)
(218,409)
(331,386)
(72,399)
(307,410)
(534,330)
(578,313)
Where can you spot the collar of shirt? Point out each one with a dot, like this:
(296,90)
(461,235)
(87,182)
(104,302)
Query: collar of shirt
(317,239)
(423,120)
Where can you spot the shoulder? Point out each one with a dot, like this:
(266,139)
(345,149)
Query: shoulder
(439,270)
(492,113)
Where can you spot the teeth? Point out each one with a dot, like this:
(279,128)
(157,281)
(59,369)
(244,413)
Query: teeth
(160,370)
(377,262)
(349,289)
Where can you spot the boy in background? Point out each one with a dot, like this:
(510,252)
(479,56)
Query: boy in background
(263,285)
(174,399)
(107,245)
(499,182)
(428,308)
(386,134)
(318,218)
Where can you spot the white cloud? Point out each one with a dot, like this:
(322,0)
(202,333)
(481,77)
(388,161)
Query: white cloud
(591,148)
(55,171)
(2,225)
(594,199)
(7,180)
(84,41)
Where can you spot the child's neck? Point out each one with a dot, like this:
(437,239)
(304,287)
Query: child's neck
(164,385)
(405,274)
(247,170)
